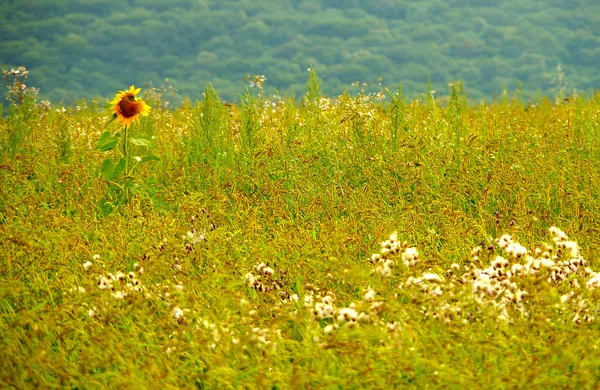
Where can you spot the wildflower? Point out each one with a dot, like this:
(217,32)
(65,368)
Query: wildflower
(327,300)
(96,257)
(375,258)
(268,271)
(572,247)
(383,267)
(118,295)
(249,279)
(369,295)
(104,283)
(437,292)
(308,300)
(515,249)
(347,314)
(547,263)
(323,310)
(558,234)
(431,277)
(328,329)
(499,262)
(410,256)
(87,265)
(178,314)
(364,318)
(504,241)
(127,107)
(594,282)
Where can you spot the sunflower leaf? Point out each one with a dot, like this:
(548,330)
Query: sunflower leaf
(142,140)
(120,167)
(108,141)
(105,207)
(107,169)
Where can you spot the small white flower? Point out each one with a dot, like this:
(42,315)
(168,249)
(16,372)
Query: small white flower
(249,279)
(268,271)
(96,257)
(104,283)
(347,314)
(499,262)
(87,265)
(260,267)
(437,292)
(177,314)
(558,234)
(118,295)
(431,277)
(369,295)
(328,329)
(410,256)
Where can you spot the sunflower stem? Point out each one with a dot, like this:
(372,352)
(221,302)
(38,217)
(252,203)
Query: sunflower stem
(126,156)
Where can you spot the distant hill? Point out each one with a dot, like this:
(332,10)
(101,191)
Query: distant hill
(93,48)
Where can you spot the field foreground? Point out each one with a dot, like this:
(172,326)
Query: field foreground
(356,242)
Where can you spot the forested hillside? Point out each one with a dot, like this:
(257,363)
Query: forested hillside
(92,48)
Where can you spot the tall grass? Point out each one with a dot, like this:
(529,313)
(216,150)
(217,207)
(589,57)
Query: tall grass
(251,263)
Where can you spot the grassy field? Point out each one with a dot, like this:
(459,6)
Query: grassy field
(361,241)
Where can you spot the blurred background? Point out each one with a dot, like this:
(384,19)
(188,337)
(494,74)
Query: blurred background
(86,49)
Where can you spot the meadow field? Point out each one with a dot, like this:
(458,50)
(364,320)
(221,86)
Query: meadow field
(357,241)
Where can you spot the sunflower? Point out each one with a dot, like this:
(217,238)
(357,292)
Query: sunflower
(127,107)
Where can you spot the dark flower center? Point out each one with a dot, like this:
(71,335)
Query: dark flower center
(129,107)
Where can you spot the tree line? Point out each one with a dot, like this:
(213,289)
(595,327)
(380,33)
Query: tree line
(93,48)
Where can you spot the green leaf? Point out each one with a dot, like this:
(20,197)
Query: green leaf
(142,140)
(108,141)
(120,167)
(105,207)
(107,169)
(151,158)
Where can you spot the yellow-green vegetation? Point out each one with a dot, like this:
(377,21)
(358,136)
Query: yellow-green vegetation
(360,241)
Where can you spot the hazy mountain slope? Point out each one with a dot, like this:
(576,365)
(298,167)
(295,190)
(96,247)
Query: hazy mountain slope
(84,50)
